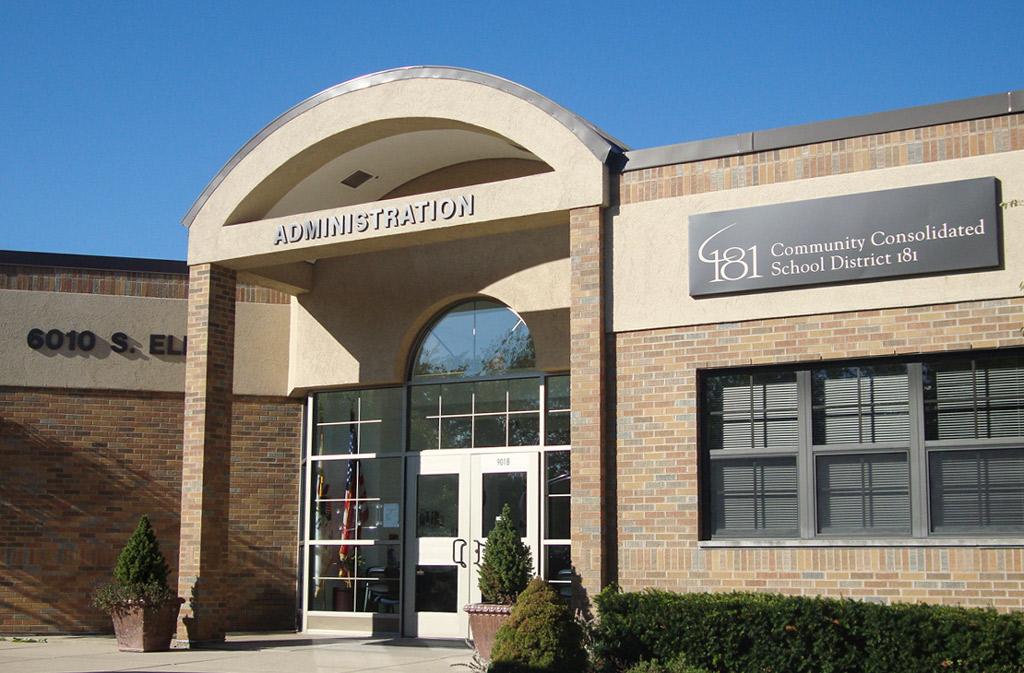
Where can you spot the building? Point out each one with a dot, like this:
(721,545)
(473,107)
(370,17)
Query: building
(787,361)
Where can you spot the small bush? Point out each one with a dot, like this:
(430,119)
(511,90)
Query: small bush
(140,575)
(540,636)
(507,566)
(739,632)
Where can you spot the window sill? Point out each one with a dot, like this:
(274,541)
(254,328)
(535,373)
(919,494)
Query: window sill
(858,542)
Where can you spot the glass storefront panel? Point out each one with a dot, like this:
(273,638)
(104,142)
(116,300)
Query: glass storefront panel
(356,499)
(358,421)
(491,396)
(490,431)
(558,569)
(523,395)
(557,418)
(351,578)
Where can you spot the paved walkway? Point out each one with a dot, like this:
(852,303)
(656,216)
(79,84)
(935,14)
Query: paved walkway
(248,653)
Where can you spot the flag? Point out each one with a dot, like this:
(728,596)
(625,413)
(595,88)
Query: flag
(354,511)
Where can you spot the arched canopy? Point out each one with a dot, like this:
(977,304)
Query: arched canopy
(474,339)
(398,147)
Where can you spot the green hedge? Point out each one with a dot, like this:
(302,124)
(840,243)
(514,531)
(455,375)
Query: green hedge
(769,633)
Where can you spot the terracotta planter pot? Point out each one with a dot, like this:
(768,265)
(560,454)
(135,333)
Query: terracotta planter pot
(146,629)
(484,621)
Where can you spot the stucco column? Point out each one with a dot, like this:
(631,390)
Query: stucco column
(205,468)
(591,533)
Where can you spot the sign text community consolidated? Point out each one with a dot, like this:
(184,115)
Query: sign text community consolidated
(937,228)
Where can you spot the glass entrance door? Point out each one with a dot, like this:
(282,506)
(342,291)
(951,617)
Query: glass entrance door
(454,501)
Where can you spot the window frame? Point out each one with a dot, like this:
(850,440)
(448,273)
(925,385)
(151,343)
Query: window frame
(919,452)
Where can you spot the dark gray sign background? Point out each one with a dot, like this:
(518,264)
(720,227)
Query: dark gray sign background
(939,228)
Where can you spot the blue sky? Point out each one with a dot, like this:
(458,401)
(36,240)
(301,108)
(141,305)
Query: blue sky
(116,115)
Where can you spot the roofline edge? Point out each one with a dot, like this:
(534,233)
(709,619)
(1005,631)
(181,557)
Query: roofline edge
(933,114)
(601,144)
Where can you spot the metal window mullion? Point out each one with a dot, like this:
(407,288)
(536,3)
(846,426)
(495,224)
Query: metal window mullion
(918,458)
(542,402)
(805,458)
(508,419)
(307,506)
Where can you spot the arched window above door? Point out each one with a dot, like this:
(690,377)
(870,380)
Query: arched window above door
(476,339)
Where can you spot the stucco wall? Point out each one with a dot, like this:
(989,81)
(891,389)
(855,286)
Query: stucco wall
(650,272)
(361,320)
(153,357)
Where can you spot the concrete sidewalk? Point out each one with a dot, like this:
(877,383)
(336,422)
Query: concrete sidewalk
(246,653)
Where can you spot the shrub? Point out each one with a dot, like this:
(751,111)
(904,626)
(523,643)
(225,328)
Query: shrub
(507,566)
(738,632)
(541,635)
(679,665)
(140,575)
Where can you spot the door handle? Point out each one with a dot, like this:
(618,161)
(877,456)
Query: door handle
(462,551)
(479,546)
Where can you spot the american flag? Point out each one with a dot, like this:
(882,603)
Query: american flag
(354,512)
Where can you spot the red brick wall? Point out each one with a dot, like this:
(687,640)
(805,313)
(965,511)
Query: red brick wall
(656,428)
(78,470)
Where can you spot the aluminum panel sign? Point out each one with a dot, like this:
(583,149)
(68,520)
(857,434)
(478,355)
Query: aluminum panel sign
(931,229)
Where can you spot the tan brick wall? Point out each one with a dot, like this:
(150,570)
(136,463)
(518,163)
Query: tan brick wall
(589,528)
(78,469)
(266,449)
(121,283)
(884,150)
(656,426)
(206,453)
(81,466)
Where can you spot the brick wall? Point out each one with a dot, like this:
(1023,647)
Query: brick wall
(883,150)
(655,425)
(266,437)
(122,283)
(80,466)
(591,543)
(656,438)
(78,470)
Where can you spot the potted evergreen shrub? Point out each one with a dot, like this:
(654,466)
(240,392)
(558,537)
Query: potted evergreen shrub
(504,573)
(143,608)
(541,636)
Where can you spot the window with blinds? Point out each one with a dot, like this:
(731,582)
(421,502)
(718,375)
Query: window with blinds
(860,405)
(750,415)
(755,496)
(977,490)
(971,399)
(867,493)
(900,448)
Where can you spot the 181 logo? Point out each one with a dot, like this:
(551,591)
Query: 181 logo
(731,264)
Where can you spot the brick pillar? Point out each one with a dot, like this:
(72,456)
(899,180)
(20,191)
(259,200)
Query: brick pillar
(205,468)
(591,535)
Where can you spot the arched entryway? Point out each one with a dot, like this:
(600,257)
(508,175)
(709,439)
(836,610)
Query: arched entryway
(405,482)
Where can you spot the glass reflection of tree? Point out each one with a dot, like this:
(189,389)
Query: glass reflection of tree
(480,338)
(512,351)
